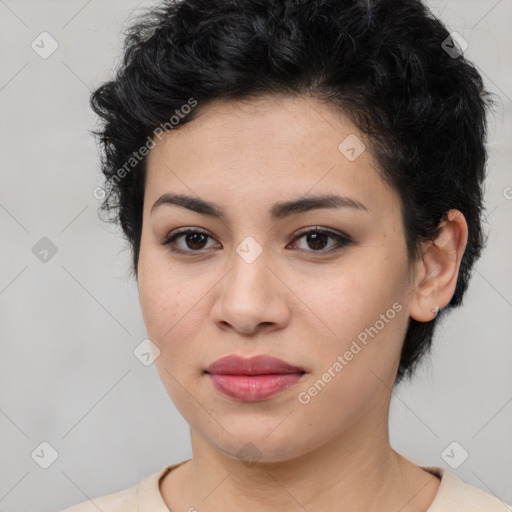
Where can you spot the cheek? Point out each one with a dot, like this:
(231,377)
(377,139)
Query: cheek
(345,302)
(159,304)
(161,295)
(361,315)
(159,299)
(166,309)
(173,308)
(170,325)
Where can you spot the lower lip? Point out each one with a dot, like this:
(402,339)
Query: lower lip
(253,388)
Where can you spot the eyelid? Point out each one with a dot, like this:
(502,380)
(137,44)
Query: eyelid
(320,229)
(183,231)
(342,239)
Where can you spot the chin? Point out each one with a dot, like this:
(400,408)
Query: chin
(261,447)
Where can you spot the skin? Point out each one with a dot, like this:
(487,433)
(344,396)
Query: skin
(293,302)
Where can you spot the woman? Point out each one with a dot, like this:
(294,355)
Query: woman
(300,182)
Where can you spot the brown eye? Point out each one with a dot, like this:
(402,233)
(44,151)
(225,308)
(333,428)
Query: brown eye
(317,239)
(191,240)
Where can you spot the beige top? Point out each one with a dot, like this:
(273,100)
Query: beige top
(453,495)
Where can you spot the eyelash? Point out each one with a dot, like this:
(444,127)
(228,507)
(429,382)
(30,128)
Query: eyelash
(342,240)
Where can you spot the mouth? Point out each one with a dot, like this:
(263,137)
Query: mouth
(253,379)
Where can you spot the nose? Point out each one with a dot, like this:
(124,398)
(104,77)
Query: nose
(251,298)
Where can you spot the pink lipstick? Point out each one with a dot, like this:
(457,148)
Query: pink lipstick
(253,379)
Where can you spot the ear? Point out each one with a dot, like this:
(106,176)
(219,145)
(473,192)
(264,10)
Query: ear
(437,271)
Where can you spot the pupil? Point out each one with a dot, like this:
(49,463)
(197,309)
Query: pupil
(316,242)
(192,238)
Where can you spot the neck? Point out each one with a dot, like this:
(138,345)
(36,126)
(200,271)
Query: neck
(356,471)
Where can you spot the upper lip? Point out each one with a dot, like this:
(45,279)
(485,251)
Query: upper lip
(255,365)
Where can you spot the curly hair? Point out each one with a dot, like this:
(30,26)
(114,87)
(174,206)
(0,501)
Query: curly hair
(383,63)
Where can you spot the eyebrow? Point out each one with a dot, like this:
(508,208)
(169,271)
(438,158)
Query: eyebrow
(279,210)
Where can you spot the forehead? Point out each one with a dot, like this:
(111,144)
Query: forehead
(276,146)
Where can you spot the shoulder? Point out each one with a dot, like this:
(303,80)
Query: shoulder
(125,500)
(454,495)
(141,497)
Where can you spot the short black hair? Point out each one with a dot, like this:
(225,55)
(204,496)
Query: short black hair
(390,65)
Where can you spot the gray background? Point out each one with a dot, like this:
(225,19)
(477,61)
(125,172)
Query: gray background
(68,375)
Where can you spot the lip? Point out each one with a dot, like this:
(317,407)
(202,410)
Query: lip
(254,378)
(255,365)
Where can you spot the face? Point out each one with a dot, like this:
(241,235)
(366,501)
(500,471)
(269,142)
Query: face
(321,286)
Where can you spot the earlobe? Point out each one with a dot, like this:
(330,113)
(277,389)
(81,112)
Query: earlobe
(438,270)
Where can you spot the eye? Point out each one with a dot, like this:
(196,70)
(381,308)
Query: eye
(194,240)
(317,238)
